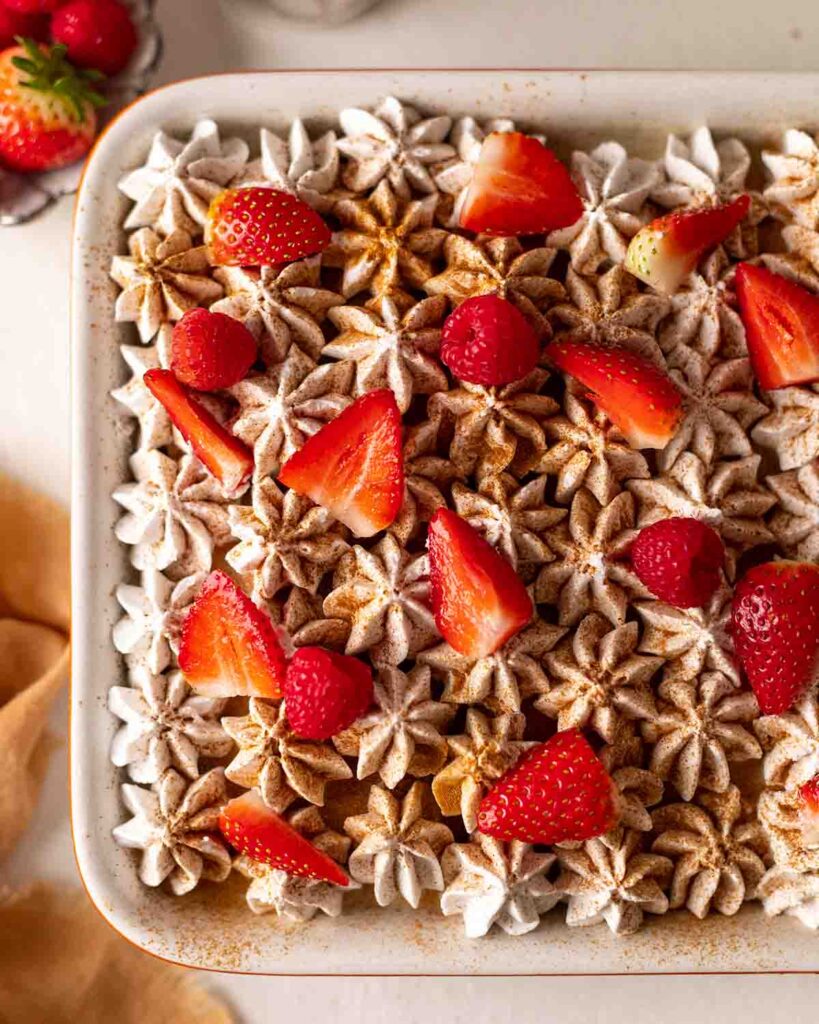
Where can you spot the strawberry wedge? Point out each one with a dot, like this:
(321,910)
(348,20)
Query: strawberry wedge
(642,401)
(229,647)
(230,461)
(252,828)
(781,327)
(519,187)
(664,252)
(477,598)
(354,466)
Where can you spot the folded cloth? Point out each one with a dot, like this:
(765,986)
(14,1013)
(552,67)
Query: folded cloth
(59,961)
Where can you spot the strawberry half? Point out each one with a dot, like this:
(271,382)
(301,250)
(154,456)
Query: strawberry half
(680,560)
(519,187)
(252,828)
(557,792)
(775,626)
(781,321)
(664,252)
(354,466)
(230,461)
(211,350)
(478,600)
(809,812)
(228,646)
(253,227)
(642,401)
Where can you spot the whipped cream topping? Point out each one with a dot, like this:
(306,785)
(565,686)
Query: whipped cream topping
(617,884)
(384,594)
(791,428)
(499,681)
(393,142)
(794,171)
(148,633)
(402,734)
(397,849)
(297,164)
(155,430)
(614,188)
(277,762)
(719,854)
(490,745)
(791,744)
(166,726)
(280,306)
(179,180)
(795,520)
(391,348)
(795,893)
(427,474)
(792,844)
(494,883)
(597,677)
(300,615)
(176,826)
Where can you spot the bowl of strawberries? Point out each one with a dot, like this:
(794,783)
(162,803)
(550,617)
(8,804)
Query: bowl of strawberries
(66,68)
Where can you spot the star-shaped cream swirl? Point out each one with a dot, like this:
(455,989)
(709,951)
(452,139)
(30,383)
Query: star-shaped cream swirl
(397,849)
(283,539)
(386,245)
(718,849)
(277,762)
(781,814)
(800,260)
(791,428)
(791,744)
(494,883)
(598,677)
(392,349)
(161,280)
(587,574)
(393,142)
(701,727)
(304,167)
(795,520)
(794,171)
(796,894)
(427,475)
(499,681)
(175,514)
(155,429)
(179,180)
(291,401)
(176,826)
(489,746)
(383,593)
(499,266)
(301,616)
(618,885)
(165,726)
(402,734)
(614,188)
(280,306)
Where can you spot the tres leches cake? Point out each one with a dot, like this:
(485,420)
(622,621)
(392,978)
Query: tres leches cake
(474,522)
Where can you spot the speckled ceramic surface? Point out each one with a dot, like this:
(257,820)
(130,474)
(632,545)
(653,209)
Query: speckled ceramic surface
(212,929)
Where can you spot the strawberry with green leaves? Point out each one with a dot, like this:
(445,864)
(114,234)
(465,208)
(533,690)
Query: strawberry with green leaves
(47,108)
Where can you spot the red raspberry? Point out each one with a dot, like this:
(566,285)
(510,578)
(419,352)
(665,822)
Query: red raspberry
(211,350)
(325,692)
(32,6)
(679,560)
(15,23)
(488,341)
(98,33)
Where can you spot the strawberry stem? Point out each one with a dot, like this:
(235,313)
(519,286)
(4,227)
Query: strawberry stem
(50,72)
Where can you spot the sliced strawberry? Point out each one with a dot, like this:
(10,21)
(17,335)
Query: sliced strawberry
(252,828)
(775,626)
(664,252)
(354,466)
(230,461)
(809,812)
(325,692)
(642,401)
(557,792)
(519,187)
(680,560)
(253,227)
(228,646)
(477,598)
(781,321)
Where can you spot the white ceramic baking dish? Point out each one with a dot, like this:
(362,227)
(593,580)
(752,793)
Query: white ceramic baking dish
(212,927)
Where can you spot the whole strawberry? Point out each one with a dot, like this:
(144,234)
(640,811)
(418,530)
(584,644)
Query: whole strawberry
(211,350)
(775,625)
(14,24)
(97,33)
(679,560)
(325,692)
(47,108)
(32,6)
(557,792)
(488,341)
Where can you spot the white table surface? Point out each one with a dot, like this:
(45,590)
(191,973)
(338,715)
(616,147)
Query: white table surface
(34,410)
